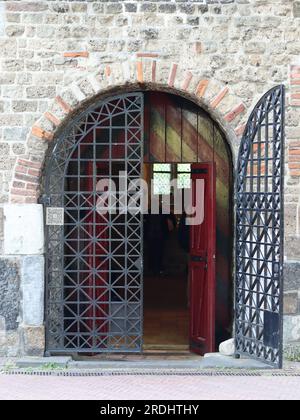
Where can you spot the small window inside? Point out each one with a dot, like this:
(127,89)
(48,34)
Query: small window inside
(162,174)
(184,175)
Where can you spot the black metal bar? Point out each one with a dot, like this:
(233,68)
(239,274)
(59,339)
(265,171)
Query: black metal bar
(91,309)
(260,233)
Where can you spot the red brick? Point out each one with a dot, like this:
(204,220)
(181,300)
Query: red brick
(17,199)
(24,6)
(21,169)
(63,105)
(294,144)
(19,184)
(32,187)
(147,55)
(139,71)
(29,164)
(74,54)
(187,80)
(240,129)
(31,200)
(172,75)
(107,71)
(23,193)
(255,170)
(34,172)
(219,98)
(153,71)
(295,173)
(294,165)
(28,178)
(295,95)
(256,148)
(52,118)
(202,87)
(294,152)
(231,116)
(42,134)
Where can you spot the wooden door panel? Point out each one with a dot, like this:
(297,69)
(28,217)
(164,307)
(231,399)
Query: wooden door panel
(202,265)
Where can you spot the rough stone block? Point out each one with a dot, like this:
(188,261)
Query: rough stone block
(291,276)
(2,19)
(227,348)
(33,290)
(291,328)
(23,229)
(9,292)
(1,224)
(34,341)
(292,246)
(15,134)
(290,216)
(291,303)
(2,331)
(13,344)
(292,352)
(296,7)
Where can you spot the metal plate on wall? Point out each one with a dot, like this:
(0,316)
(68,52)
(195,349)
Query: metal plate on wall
(54,216)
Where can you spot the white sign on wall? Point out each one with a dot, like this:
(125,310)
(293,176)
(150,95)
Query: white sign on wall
(55,216)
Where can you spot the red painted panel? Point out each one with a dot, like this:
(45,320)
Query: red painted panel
(202,265)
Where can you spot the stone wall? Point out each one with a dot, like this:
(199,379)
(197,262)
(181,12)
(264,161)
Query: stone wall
(57,56)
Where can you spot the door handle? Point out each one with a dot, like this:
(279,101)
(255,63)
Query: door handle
(198,259)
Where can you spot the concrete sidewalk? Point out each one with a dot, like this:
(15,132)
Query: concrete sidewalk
(148,361)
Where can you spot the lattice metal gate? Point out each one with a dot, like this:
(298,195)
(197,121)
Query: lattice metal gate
(259,232)
(94,260)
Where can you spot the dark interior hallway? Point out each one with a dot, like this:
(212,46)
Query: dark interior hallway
(166,313)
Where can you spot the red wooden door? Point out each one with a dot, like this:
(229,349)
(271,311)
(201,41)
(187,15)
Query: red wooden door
(202,262)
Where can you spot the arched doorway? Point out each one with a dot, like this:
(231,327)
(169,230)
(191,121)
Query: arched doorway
(94,261)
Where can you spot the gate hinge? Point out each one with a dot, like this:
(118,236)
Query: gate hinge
(45,199)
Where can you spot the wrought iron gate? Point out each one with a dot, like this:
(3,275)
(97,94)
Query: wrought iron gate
(259,232)
(94,260)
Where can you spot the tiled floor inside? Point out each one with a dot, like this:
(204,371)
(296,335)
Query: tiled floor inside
(166,313)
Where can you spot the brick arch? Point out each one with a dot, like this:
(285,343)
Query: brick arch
(145,73)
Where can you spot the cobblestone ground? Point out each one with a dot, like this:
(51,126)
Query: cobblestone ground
(149,387)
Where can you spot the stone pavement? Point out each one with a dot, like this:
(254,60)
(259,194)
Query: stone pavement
(191,383)
(158,387)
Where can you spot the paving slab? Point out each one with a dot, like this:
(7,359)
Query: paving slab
(37,362)
(135,364)
(210,361)
(218,361)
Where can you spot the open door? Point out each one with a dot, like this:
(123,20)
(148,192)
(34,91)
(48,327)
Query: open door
(260,232)
(202,262)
